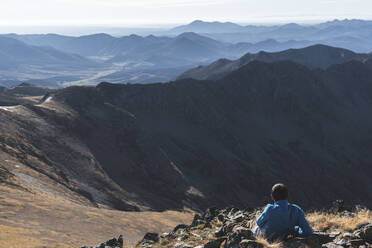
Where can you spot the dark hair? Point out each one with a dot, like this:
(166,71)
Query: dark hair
(279,192)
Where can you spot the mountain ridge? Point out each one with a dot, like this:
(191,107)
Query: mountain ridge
(316,56)
(191,143)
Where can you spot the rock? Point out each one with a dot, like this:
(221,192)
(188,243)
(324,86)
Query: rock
(221,217)
(207,225)
(151,237)
(163,235)
(219,232)
(112,243)
(340,206)
(228,227)
(338,243)
(250,244)
(210,214)
(365,232)
(348,235)
(233,211)
(214,243)
(180,227)
(180,232)
(198,220)
(233,233)
(238,234)
(238,218)
(355,242)
(331,245)
(323,237)
(341,242)
(183,237)
(180,245)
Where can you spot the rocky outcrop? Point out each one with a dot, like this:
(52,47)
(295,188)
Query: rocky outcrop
(232,228)
(112,243)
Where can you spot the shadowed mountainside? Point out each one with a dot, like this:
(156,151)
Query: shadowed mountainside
(317,56)
(200,143)
(22,94)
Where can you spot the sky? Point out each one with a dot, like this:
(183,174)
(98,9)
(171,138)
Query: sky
(147,13)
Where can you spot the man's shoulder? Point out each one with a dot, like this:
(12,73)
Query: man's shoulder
(268,206)
(295,207)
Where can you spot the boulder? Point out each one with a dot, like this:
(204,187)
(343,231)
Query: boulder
(323,237)
(180,232)
(181,245)
(219,232)
(238,234)
(210,214)
(149,239)
(198,220)
(340,206)
(112,243)
(364,232)
(180,227)
(228,226)
(154,237)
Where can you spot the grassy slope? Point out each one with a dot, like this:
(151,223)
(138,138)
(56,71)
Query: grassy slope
(33,220)
(35,212)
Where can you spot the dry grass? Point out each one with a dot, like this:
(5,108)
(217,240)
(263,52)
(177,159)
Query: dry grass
(197,237)
(37,212)
(33,221)
(266,243)
(322,221)
(326,221)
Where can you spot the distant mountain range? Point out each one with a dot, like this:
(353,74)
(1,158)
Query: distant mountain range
(131,58)
(184,48)
(351,34)
(194,144)
(199,26)
(57,61)
(317,56)
(15,53)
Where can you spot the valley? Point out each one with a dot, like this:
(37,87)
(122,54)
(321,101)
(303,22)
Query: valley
(174,138)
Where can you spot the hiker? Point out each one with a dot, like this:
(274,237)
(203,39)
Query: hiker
(281,219)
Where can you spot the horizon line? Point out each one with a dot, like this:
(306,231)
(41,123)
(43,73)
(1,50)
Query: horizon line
(152,25)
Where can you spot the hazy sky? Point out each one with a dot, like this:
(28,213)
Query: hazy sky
(148,12)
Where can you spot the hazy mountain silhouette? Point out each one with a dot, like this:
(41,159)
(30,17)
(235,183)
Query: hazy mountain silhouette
(317,56)
(146,59)
(199,26)
(350,34)
(88,45)
(15,53)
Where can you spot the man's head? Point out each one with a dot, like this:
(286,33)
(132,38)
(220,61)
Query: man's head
(279,192)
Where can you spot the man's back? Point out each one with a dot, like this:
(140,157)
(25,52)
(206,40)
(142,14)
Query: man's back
(280,219)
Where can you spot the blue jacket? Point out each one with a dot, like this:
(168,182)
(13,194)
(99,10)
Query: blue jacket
(281,219)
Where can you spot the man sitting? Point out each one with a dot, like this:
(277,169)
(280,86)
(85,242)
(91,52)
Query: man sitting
(281,219)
